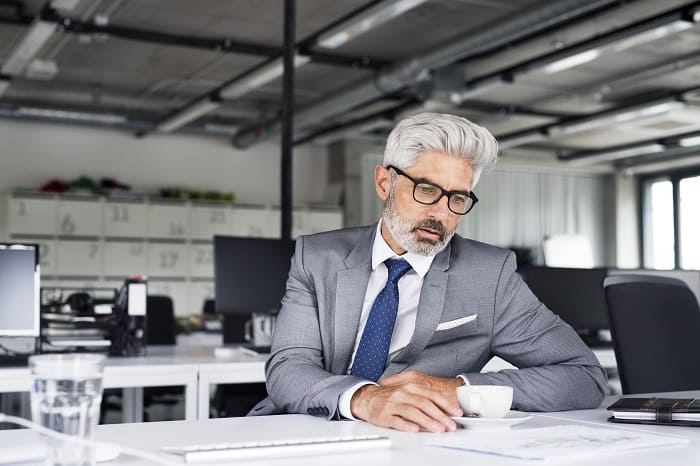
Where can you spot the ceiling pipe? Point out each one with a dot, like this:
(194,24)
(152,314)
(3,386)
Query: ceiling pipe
(394,78)
(117,102)
(218,44)
(566,126)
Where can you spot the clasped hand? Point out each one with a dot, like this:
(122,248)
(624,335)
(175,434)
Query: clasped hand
(409,401)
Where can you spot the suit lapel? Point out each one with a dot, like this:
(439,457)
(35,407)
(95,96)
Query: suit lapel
(430,307)
(350,292)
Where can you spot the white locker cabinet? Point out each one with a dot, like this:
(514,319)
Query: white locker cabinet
(257,222)
(208,221)
(124,259)
(125,220)
(78,258)
(202,261)
(92,241)
(29,216)
(168,260)
(200,291)
(79,217)
(47,256)
(168,221)
(308,222)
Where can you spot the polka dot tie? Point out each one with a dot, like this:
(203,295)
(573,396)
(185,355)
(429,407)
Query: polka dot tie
(373,350)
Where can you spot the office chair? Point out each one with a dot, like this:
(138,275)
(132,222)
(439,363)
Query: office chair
(209,307)
(655,323)
(161,329)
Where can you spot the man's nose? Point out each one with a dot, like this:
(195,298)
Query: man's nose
(440,209)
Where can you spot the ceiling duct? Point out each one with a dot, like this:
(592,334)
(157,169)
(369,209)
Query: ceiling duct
(67,115)
(541,17)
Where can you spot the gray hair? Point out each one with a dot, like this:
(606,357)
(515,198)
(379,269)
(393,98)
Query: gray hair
(439,132)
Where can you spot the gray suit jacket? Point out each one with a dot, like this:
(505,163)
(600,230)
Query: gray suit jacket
(472,306)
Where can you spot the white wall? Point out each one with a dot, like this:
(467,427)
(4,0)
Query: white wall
(33,153)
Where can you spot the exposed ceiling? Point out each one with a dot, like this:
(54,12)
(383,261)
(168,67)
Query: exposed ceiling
(587,81)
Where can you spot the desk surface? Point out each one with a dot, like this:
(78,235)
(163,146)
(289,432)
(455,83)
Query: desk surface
(407,449)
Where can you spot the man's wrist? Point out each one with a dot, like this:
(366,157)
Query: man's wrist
(464,379)
(357,402)
(345,399)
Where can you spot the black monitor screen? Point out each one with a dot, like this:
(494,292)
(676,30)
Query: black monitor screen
(576,295)
(250,274)
(19,290)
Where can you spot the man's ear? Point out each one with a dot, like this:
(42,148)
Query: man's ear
(382,181)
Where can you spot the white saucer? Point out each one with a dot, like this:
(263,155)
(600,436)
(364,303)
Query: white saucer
(106,452)
(511,419)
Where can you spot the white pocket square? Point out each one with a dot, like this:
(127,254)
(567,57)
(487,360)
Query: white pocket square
(455,323)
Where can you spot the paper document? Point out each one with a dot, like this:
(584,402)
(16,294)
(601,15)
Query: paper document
(557,442)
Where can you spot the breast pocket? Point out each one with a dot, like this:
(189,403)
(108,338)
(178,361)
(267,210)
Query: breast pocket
(455,328)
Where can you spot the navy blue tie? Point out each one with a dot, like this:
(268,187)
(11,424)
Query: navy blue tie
(373,350)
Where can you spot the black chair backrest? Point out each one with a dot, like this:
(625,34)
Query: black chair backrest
(655,327)
(209,307)
(160,321)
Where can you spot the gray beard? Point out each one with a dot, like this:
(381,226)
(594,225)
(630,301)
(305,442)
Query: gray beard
(403,231)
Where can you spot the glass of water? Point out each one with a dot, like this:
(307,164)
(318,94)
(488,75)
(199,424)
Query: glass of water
(65,396)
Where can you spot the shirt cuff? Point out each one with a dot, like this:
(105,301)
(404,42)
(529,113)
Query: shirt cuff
(346,397)
(464,379)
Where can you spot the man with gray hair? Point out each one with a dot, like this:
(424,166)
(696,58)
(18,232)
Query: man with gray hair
(383,323)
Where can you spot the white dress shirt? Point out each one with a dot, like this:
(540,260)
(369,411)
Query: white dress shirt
(409,294)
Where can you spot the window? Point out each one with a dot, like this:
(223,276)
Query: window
(671,225)
(658,226)
(689,206)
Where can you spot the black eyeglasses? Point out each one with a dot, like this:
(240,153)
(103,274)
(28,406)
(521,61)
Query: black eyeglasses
(427,193)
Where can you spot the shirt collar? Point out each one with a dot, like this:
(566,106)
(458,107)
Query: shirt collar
(381,251)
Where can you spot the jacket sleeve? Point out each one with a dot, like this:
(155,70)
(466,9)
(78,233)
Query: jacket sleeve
(557,371)
(296,379)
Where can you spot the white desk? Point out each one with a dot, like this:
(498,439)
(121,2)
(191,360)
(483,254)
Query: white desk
(132,374)
(212,370)
(196,369)
(406,450)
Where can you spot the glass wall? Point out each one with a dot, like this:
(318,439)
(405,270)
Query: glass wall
(671,223)
(689,212)
(658,225)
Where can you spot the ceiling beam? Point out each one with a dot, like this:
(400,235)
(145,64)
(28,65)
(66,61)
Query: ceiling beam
(216,44)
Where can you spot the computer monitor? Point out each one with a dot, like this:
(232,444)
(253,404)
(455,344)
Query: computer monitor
(250,274)
(19,290)
(575,295)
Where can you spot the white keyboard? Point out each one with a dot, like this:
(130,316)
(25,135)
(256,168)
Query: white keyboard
(279,448)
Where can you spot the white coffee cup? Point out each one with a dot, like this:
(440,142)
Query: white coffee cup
(492,401)
(259,329)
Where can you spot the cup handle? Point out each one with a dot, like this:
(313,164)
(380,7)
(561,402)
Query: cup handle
(248,330)
(475,404)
